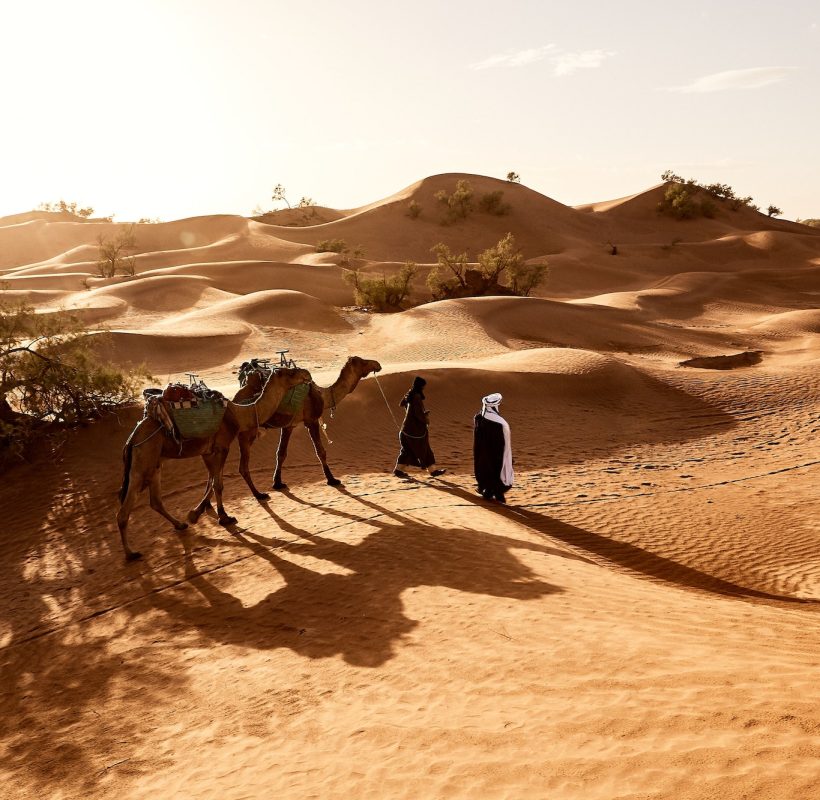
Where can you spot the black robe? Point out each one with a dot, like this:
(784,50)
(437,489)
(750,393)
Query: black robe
(415,443)
(488,455)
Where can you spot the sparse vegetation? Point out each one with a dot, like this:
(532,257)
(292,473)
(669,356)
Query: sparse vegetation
(458,204)
(382,293)
(148,221)
(114,254)
(51,378)
(493,203)
(774,211)
(67,208)
(279,195)
(513,177)
(811,222)
(350,256)
(682,199)
(332,246)
(414,209)
(452,277)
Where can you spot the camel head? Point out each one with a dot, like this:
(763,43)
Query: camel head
(362,367)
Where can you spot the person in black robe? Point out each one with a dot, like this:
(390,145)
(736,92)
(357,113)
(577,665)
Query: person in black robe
(414,437)
(492,453)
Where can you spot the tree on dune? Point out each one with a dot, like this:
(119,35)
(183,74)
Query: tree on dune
(774,211)
(51,378)
(114,254)
(513,177)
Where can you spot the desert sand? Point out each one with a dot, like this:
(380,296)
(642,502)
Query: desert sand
(640,621)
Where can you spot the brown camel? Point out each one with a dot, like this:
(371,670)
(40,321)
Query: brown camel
(149,445)
(318,400)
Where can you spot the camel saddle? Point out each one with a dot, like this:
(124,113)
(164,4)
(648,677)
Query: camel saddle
(294,398)
(186,412)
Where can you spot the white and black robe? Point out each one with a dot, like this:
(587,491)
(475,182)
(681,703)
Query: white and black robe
(492,460)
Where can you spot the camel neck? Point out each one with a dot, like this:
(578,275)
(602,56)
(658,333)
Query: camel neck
(344,385)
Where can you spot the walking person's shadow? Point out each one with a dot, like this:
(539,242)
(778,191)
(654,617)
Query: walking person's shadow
(596,548)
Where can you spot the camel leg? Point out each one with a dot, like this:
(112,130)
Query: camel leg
(196,512)
(155,496)
(124,513)
(281,455)
(316,436)
(245,444)
(216,478)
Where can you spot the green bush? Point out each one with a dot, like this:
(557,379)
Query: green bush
(382,293)
(719,191)
(458,204)
(332,246)
(51,378)
(452,277)
(493,203)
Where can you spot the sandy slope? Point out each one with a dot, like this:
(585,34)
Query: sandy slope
(641,621)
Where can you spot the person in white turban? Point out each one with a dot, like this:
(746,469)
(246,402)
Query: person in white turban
(492,451)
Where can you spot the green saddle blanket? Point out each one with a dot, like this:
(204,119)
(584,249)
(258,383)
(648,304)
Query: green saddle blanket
(294,399)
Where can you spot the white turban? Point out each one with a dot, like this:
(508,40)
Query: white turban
(491,401)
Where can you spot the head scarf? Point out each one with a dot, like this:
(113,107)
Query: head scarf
(490,402)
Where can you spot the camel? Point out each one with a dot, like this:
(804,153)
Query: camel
(319,398)
(149,445)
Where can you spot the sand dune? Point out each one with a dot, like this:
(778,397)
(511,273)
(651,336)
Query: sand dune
(639,621)
(275,308)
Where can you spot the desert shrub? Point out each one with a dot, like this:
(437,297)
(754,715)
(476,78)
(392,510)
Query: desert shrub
(382,293)
(708,208)
(67,208)
(493,203)
(458,204)
(451,277)
(812,223)
(332,246)
(51,378)
(719,191)
(113,256)
(513,177)
(505,258)
(307,207)
(774,211)
(414,210)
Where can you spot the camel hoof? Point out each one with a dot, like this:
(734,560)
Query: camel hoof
(225,521)
(334,482)
(133,556)
(262,496)
(181,526)
(280,487)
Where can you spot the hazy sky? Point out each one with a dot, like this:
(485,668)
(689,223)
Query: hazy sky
(173,108)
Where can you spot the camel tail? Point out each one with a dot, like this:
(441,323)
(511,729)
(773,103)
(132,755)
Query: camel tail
(127,455)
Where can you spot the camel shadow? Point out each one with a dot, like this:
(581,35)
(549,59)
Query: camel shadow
(623,554)
(348,601)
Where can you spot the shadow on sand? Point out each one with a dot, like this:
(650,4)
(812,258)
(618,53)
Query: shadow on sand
(355,610)
(623,554)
